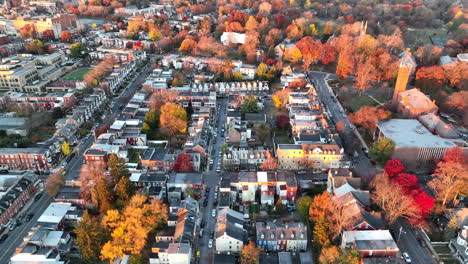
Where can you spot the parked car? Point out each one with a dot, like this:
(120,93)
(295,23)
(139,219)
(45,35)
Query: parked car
(38,196)
(3,238)
(406,257)
(12,226)
(213,213)
(28,217)
(210,243)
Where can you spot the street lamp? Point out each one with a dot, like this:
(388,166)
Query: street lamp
(399,234)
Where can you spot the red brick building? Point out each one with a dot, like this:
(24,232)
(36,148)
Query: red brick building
(33,159)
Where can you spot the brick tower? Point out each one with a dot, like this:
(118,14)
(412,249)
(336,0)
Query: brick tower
(407,66)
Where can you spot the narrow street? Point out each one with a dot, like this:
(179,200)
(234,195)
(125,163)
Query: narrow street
(212,178)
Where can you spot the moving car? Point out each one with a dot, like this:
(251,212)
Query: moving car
(28,217)
(210,243)
(406,257)
(3,238)
(213,213)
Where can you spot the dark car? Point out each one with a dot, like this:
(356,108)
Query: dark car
(212,233)
(3,238)
(28,217)
(38,197)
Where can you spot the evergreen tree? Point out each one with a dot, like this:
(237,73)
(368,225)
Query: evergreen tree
(124,190)
(90,236)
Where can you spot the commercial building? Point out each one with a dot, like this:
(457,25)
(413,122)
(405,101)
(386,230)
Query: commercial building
(54,24)
(370,244)
(415,145)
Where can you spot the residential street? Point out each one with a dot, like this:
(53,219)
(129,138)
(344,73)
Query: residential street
(212,178)
(16,236)
(72,169)
(361,164)
(408,243)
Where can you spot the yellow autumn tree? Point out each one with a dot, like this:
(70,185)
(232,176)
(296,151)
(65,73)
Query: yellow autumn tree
(280,98)
(130,228)
(293,54)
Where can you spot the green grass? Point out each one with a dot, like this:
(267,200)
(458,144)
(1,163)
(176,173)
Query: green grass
(355,102)
(76,75)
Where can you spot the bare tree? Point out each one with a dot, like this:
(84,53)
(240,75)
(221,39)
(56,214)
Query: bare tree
(449,179)
(339,218)
(55,182)
(392,199)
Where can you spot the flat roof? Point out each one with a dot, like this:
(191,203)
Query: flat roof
(411,133)
(54,213)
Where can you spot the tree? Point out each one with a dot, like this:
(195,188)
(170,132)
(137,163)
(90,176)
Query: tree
(251,24)
(162,96)
(349,257)
(459,101)
(319,206)
(282,121)
(280,98)
(130,228)
(55,182)
(173,118)
(66,36)
(250,105)
(327,54)
(407,181)
(250,253)
(381,150)
(57,113)
(457,74)
(66,150)
(183,163)
(292,54)
(320,232)
(27,32)
(262,70)
(77,49)
(448,180)
(310,50)
(90,236)
(456,155)
(269,164)
(102,195)
(430,78)
(392,200)
(302,205)
(329,255)
(394,167)
(338,218)
(154,34)
(365,76)
(124,190)
(89,174)
(35,46)
(187,46)
(345,64)
(117,167)
(340,126)
(367,117)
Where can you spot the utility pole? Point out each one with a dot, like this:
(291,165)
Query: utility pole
(399,234)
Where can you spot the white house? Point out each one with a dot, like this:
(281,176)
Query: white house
(172,253)
(230,232)
(232,38)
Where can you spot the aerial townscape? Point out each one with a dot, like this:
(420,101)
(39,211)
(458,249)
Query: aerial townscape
(233,132)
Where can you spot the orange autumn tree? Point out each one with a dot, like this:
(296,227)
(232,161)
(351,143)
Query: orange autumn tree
(430,78)
(269,163)
(280,98)
(310,50)
(250,253)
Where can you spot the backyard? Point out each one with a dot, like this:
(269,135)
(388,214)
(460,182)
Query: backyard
(76,75)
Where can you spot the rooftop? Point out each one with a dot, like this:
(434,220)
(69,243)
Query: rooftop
(411,133)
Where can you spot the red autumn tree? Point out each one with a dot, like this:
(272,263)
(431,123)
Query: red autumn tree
(282,121)
(394,167)
(456,155)
(424,203)
(183,163)
(345,64)
(66,36)
(407,181)
(327,54)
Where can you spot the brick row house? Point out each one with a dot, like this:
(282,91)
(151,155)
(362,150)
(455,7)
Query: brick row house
(33,159)
(281,236)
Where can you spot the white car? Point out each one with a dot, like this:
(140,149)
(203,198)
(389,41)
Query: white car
(213,212)
(210,243)
(406,257)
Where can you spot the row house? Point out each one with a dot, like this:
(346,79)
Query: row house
(281,236)
(74,119)
(235,159)
(307,126)
(90,104)
(33,159)
(316,156)
(185,180)
(57,214)
(459,245)
(281,184)
(229,233)
(120,54)
(117,77)
(157,159)
(197,99)
(15,196)
(237,87)
(169,253)
(45,102)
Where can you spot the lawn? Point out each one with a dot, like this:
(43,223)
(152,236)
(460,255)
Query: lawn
(76,75)
(355,102)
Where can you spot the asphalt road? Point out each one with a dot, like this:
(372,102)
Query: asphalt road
(16,236)
(408,243)
(361,164)
(212,178)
